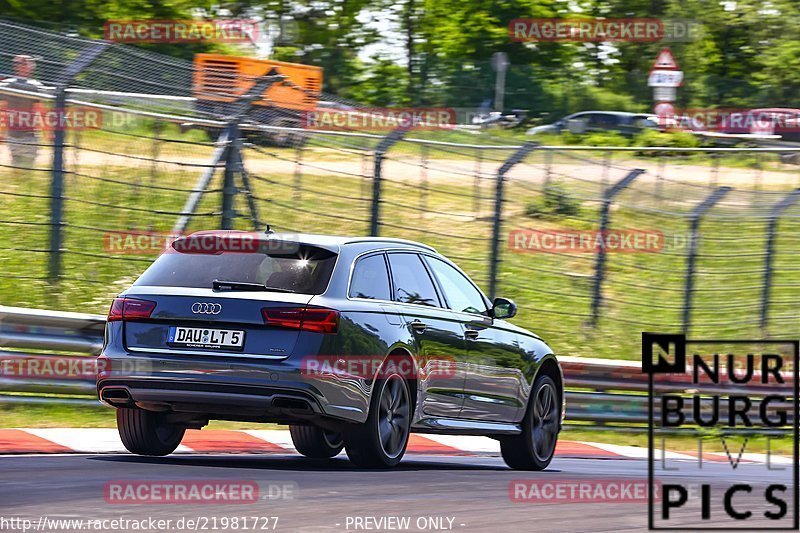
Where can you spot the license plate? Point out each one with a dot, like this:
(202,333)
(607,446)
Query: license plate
(216,339)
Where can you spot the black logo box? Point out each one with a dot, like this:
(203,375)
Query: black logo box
(678,365)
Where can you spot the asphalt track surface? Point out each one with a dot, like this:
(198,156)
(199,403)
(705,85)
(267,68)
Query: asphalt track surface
(465,493)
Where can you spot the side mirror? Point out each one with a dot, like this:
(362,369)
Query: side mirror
(503,308)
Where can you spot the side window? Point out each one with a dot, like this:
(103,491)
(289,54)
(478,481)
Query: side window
(461,295)
(601,120)
(370,279)
(412,284)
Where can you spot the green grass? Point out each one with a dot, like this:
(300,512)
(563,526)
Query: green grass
(642,291)
(62,416)
(755,444)
(100,416)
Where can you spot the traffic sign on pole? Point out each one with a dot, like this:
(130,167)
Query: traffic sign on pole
(665,78)
(665,61)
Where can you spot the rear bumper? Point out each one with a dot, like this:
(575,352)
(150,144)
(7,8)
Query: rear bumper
(208,398)
(226,388)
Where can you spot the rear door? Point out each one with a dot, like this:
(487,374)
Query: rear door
(437,332)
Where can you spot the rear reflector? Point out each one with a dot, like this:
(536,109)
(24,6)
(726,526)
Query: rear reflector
(318,319)
(130,309)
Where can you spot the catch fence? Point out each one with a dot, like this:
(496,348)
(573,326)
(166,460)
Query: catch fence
(705,240)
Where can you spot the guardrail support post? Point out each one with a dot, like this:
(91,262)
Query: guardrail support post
(497,219)
(774,217)
(605,219)
(695,218)
(377,178)
(59,142)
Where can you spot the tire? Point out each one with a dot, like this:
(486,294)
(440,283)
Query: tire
(146,433)
(316,442)
(534,448)
(381,441)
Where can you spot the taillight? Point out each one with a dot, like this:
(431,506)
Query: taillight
(115,313)
(130,309)
(318,319)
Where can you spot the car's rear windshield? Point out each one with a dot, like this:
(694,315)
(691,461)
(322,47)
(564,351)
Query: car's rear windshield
(306,270)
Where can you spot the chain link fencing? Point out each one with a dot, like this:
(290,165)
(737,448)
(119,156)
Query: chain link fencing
(700,240)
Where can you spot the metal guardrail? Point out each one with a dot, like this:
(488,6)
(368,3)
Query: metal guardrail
(599,391)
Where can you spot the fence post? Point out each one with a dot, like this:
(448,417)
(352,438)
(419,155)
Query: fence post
(714,169)
(246,187)
(660,180)
(229,178)
(497,219)
(423,189)
(298,172)
(787,201)
(377,178)
(202,184)
(222,153)
(600,263)
(695,218)
(57,193)
(59,142)
(156,149)
(548,165)
(476,186)
(606,167)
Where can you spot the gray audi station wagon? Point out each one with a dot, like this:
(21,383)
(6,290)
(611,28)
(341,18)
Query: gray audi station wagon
(353,342)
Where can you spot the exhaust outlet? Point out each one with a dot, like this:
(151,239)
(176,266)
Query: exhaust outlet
(116,396)
(293,404)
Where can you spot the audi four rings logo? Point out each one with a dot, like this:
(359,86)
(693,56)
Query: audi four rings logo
(203,308)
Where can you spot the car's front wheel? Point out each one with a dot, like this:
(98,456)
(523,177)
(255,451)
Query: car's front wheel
(316,442)
(147,433)
(381,441)
(534,448)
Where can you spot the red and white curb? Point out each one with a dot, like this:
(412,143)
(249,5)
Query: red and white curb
(278,441)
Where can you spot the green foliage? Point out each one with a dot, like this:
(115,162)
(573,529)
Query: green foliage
(604,138)
(601,99)
(555,202)
(676,139)
(438,52)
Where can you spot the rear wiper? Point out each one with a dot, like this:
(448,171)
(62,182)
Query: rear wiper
(220,285)
(277,289)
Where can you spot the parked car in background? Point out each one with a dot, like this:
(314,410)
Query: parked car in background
(590,121)
(486,118)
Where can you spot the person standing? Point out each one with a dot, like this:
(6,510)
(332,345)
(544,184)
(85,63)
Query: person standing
(21,112)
